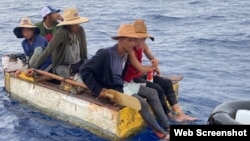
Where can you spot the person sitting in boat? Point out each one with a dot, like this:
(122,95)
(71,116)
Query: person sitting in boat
(135,72)
(33,43)
(68,48)
(104,71)
(50,20)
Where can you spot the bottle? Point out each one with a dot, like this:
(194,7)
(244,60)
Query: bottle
(150,76)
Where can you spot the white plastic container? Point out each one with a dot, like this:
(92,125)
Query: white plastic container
(243,116)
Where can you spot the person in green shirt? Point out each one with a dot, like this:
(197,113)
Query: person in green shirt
(68,48)
(48,26)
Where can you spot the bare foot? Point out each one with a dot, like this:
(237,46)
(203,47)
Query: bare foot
(181,117)
(170,116)
(166,138)
(163,137)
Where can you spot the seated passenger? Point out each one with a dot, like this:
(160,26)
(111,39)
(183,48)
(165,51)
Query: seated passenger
(68,48)
(33,43)
(135,72)
(104,71)
(50,20)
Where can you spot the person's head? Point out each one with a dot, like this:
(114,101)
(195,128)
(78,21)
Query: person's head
(72,20)
(140,43)
(126,37)
(26,29)
(127,43)
(50,14)
(74,28)
(141,30)
(28,33)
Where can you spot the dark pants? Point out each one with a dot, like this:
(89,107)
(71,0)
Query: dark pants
(66,70)
(164,89)
(153,101)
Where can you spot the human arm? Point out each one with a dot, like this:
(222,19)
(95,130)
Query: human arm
(148,53)
(52,46)
(25,50)
(36,54)
(90,71)
(84,44)
(157,71)
(41,43)
(151,57)
(59,17)
(141,68)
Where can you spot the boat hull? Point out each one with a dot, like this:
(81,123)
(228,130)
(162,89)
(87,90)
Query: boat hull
(101,117)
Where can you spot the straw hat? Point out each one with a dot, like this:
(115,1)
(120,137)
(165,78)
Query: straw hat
(71,16)
(125,30)
(141,29)
(25,23)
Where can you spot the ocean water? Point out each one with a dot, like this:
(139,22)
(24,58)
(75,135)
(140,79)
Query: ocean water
(206,41)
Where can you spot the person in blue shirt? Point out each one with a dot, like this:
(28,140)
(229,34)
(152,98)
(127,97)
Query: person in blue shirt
(33,43)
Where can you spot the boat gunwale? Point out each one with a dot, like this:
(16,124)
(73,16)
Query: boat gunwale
(86,95)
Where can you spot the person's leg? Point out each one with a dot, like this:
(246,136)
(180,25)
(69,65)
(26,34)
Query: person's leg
(149,119)
(161,94)
(167,86)
(154,102)
(140,79)
(63,70)
(162,97)
(180,116)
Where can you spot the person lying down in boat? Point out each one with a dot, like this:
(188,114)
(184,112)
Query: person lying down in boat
(33,43)
(104,71)
(135,71)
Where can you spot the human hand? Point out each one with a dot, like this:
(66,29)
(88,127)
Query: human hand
(157,71)
(17,73)
(59,17)
(29,72)
(102,93)
(113,95)
(154,63)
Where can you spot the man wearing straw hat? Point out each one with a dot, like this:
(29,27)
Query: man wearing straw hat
(134,71)
(68,46)
(104,71)
(48,25)
(33,43)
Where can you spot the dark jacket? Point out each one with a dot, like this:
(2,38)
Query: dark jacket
(57,47)
(96,73)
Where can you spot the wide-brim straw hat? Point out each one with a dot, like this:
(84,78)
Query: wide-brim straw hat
(125,30)
(72,17)
(25,23)
(141,29)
